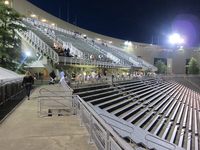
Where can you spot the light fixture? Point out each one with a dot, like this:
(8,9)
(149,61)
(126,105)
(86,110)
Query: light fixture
(44,20)
(53,24)
(6,2)
(98,39)
(175,38)
(128,43)
(28,53)
(33,15)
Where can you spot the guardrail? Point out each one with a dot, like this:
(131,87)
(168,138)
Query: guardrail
(101,133)
(8,89)
(72,60)
(39,45)
(53,102)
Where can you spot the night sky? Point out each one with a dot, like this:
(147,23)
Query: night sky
(148,21)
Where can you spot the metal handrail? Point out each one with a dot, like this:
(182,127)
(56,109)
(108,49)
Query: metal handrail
(131,133)
(117,121)
(122,143)
(33,37)
(159,140)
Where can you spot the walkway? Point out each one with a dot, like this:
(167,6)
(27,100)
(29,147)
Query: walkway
(25,130)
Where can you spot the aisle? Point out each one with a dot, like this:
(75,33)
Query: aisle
(24,130)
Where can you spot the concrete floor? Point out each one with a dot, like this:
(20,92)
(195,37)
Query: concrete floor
(25,130)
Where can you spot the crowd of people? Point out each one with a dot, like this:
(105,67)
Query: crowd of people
(80,77)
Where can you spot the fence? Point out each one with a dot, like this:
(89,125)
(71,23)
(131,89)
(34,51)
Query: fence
(9,89)
(55,100)
(11,93)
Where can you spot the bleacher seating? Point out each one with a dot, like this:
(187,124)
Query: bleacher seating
(164,108)
(91,49)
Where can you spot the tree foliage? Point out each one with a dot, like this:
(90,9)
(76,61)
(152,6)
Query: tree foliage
(193,67)
(10,21)
(162,68)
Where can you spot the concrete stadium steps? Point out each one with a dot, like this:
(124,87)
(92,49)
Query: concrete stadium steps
(166,109)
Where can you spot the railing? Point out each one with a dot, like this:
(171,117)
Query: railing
(101,133)
(130,132)
(54,102)
(71,60)
(39,45)
(8,88)
(152,140)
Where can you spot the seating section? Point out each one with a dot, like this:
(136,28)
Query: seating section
(164,108)
(36,29)
(92,50)
(190,82)
(89,52)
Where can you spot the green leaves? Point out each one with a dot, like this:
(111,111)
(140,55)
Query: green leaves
(193,67)
(10,21)
(162,68)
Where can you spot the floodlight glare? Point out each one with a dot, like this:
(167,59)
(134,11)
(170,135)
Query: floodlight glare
(33,15)
(127,43)
(28,53)
(176,39)
(6,2)
(44,20)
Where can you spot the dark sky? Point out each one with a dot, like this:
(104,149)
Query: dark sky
(149,21)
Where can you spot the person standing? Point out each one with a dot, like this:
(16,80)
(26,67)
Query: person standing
(27,82)
(62,76)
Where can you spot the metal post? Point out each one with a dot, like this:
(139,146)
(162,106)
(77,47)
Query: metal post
(91,128)
(107,142)
(81,115)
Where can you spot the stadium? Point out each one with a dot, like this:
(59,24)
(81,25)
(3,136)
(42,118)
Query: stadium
(111,84)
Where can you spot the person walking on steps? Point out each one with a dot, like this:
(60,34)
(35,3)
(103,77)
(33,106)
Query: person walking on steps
(27,82)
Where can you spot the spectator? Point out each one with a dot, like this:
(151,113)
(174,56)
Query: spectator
(52,77)
(27,82)
(112,78)
(62,76)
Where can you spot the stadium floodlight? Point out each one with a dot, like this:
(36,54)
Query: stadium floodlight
(176,39)
(44,20)
(6,2)
(127,43)
(98,39)
(27,53)
(33,16)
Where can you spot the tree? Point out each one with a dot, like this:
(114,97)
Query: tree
(162,68)
(10,21)
(193,66)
